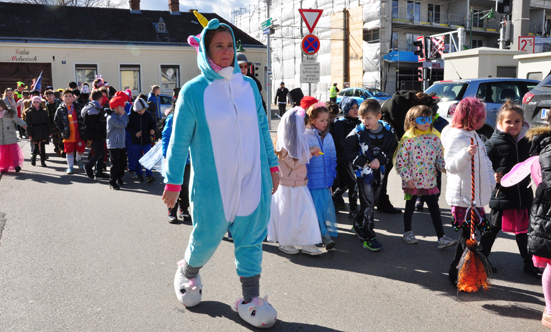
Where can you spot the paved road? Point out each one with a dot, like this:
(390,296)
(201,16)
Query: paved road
(76,256)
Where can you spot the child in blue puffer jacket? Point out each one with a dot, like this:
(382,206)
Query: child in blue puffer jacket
(322,171)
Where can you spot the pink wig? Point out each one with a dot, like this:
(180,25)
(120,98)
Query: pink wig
(470,114)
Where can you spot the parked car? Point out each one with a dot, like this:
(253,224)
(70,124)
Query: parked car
(537,103)
(361,94)
(492,91)
(166,103)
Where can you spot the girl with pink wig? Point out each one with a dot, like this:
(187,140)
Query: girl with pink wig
(469,116)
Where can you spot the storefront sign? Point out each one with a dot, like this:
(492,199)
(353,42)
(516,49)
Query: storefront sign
(23,55)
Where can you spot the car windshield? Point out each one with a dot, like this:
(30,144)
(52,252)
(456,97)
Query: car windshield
(449,90)
(378,93)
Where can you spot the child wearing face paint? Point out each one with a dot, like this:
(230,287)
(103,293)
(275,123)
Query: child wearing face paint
(510,205)
(322,171)
(418,158)
(369,148)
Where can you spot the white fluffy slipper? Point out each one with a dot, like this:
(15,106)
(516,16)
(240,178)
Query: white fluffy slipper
(259,313)
(188,291)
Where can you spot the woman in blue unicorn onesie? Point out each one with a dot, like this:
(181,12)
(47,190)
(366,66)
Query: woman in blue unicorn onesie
(219,118)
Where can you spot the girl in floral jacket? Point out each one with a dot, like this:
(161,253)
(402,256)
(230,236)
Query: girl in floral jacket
(419,155)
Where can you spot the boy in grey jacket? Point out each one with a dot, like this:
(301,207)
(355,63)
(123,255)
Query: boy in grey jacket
(117,119)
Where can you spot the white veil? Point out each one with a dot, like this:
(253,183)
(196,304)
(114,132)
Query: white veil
(291,135)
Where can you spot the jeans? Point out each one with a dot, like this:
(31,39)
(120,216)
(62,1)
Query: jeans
(137,152)
(97,158)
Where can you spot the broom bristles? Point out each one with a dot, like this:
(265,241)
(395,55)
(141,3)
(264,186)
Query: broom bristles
(474,270)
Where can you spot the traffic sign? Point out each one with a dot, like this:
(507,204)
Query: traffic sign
(527,43)
(310,72)
(266,31)
(266,24)
(309,58)
(310,44)
(311,17)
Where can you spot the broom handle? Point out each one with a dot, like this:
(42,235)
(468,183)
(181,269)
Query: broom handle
(473,215)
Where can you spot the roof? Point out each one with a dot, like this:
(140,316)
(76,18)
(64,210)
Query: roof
(486,79)
(47,23)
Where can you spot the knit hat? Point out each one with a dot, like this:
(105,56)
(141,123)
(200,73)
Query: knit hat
(37,98)
(241,58)
(307,101)
(128,92)
(295,96)
(119,99)
(140,105)
(347,103)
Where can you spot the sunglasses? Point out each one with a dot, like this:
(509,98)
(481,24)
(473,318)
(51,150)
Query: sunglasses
(421,120)
(243,66)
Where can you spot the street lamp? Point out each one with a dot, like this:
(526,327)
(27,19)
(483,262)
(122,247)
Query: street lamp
(239,47)
(488,14)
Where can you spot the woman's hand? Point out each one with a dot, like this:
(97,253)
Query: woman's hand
(275,182)
(498,177)
(375,164)
(471,149)
(411,184)
(315,151)
(170,197)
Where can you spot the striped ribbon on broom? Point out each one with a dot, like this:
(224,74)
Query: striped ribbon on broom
(473,267)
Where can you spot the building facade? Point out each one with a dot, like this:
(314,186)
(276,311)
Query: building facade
(130,48)
(370,42)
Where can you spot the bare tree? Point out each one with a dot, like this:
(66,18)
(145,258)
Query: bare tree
(79,3)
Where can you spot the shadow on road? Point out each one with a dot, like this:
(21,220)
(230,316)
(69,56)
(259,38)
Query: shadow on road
(217,309)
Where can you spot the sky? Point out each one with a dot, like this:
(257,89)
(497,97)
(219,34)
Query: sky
(223,8)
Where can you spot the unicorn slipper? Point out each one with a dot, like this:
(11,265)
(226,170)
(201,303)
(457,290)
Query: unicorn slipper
(259,313)
(188,291)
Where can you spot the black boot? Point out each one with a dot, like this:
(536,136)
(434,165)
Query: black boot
(33,159)
(529,268)
(43,160)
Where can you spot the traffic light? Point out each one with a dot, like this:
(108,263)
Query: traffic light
(420,45)
(420,73)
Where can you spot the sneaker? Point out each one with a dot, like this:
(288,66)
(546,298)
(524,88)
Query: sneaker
(259,313)
(43,164)
(89,171)
(445,241)
(419,205)
(133,175)
(360,233)
(311,250)
(289,250)
(80,164)
(69,171)
(188,291)
(328,241)
(141,178)
(409,237)
(17,169)
(150,178)
(172,218)
(184,215)
(230,237)
(372,245)
(114,186)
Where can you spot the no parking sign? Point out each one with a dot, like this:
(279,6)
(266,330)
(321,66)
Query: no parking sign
(310,44)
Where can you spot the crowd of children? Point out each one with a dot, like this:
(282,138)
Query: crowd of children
(320,158)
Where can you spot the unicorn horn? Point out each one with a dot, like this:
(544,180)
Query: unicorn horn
(204,22)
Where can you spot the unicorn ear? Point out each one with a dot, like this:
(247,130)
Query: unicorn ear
(213,24)
(194,41)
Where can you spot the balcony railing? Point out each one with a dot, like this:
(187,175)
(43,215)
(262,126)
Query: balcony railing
(445,20)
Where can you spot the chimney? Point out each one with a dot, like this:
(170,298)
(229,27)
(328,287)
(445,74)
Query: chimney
(135,7)
(174,7)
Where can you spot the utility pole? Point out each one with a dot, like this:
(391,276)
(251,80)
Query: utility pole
(269,71)
(520,18)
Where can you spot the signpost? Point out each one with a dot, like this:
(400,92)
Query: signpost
(310,68)
(527,43)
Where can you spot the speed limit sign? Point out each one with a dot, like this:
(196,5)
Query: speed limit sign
(526,43)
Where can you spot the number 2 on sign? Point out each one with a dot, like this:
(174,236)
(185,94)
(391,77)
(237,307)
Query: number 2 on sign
(526,44)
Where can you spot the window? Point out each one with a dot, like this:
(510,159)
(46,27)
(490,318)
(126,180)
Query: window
(477,15)
(161,26)
(410,38)
(394,42)
(476,43)
(414,11)
(348,92)
(395,9)
(130,77)
(537,75)
(358,93)
(371,36)
(434,13)
(86,74)
(506,71)
(170,77)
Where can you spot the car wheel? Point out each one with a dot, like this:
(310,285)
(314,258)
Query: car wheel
(485,133)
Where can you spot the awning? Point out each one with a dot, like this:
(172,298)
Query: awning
(401,56)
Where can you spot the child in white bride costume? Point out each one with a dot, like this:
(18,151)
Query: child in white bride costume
(219,118)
